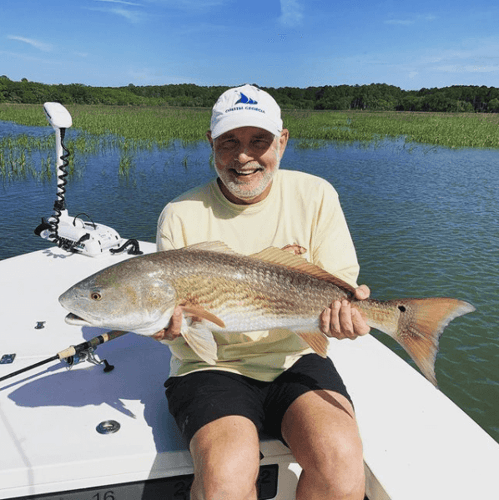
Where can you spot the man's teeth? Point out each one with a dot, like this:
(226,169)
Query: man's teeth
(246,172)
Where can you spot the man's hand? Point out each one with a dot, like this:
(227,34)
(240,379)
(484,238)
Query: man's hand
(343,321)
(172,331)
(295,249)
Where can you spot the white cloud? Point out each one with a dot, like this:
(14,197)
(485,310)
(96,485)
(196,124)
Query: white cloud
(467,68)
(132,16)
(411,20)
(291,13)
(121,2)
(399,22)
(129,15)
(46,47)
(190,5)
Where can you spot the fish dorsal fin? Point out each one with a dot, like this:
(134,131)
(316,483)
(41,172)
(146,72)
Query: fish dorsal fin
(298,263)
(212,246)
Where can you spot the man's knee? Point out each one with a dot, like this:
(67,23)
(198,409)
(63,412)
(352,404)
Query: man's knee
(234,482)
(226,460)
(339,468)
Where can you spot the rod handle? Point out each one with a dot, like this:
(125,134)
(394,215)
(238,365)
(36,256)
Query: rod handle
(73,350)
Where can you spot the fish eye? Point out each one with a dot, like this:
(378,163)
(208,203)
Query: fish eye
(95,296)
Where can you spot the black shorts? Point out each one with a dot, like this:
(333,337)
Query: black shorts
(199,398)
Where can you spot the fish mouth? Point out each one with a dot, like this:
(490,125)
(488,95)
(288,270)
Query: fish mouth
(73,319)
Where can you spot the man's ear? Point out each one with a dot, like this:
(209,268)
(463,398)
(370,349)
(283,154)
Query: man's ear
(283,141)
(208,136)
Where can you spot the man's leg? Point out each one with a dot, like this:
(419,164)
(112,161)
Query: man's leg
(226,456)
(321,431)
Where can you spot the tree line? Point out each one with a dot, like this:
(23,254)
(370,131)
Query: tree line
(374,97)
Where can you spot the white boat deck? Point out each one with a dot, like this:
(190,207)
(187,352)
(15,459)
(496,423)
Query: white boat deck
(417,443)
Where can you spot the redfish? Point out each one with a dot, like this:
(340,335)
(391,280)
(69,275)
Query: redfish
(237,293)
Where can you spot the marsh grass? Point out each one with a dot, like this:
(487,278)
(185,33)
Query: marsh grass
(132,129)
(16,158)
(146,127)
(465,130)
(453,130)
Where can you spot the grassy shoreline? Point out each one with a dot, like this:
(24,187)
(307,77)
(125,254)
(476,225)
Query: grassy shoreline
(160,125)
(129,129)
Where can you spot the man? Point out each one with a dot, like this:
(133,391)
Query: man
(264,380)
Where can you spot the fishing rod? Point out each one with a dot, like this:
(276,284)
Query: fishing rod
(76,353)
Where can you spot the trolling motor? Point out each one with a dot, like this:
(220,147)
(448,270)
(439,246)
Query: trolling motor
(72,233)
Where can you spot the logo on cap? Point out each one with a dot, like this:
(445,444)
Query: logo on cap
(246,100)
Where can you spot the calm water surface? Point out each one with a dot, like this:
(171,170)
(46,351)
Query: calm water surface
(425,222)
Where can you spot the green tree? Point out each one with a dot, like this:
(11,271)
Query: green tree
(494,105)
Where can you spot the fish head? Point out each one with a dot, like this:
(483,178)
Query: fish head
(132,297)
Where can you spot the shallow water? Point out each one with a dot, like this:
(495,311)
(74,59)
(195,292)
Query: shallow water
(424,219)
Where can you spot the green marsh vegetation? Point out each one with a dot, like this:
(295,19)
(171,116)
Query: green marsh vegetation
(130,129)
(463,130)
(145,127)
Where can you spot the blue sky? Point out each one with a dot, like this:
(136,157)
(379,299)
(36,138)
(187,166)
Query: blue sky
(293,43)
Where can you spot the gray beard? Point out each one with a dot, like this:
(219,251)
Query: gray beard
(237,189)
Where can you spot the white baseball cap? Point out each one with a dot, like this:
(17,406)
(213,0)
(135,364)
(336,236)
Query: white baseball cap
(245,106)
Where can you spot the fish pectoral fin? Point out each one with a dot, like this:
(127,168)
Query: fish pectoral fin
(200,312)
(201,341)
(316,340)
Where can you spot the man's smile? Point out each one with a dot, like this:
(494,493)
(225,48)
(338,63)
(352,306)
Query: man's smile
(246,172)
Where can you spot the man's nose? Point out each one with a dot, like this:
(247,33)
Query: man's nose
(244,155)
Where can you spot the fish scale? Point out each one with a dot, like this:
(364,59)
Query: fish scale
(263,290)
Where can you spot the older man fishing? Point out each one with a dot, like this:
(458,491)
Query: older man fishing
(269,381)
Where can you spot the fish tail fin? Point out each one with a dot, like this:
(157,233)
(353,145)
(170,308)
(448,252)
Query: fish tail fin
(200,340)
(420,325)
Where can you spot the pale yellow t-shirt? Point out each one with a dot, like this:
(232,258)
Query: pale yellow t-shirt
(300,209)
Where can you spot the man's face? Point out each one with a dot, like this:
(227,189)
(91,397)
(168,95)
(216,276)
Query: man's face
(246,160)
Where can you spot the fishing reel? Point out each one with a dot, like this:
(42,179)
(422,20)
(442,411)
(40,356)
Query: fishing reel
(87,355)
(72,233)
